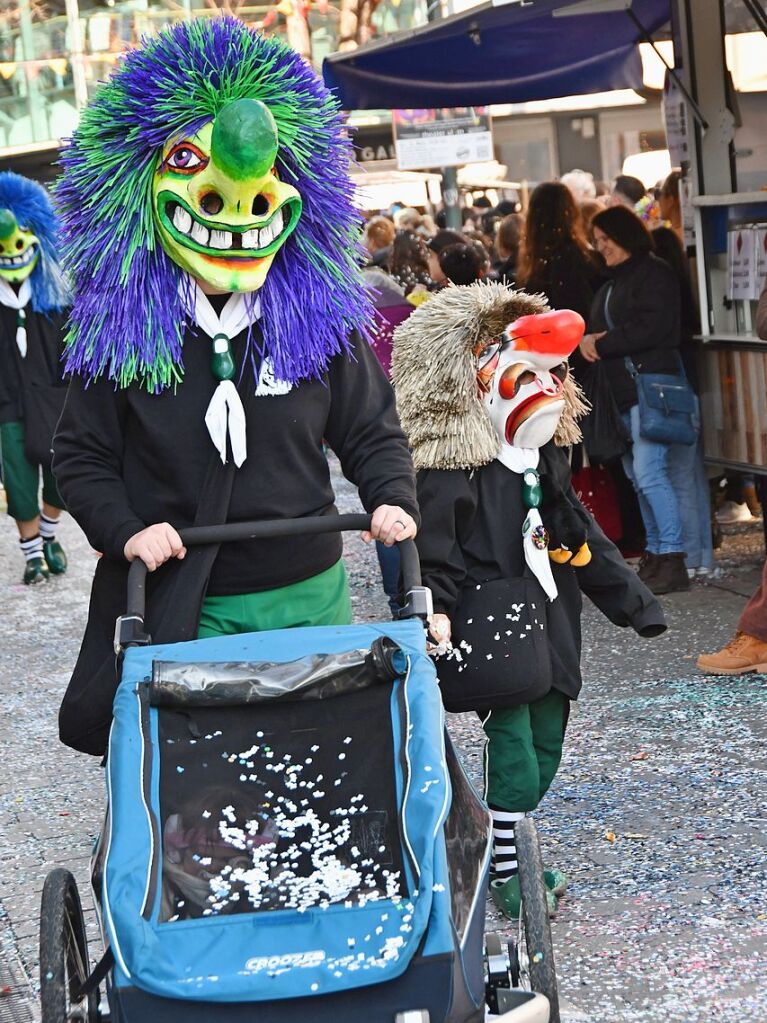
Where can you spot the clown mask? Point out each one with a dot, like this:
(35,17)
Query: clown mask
(221,211)
(521,377)
(19,249)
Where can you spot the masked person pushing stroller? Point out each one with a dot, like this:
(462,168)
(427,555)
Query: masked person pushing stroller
(486,399)
(215,341)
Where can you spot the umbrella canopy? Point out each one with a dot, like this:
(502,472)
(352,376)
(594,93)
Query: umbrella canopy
(511,53)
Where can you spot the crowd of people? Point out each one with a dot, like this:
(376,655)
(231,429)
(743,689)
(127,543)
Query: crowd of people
(616,256)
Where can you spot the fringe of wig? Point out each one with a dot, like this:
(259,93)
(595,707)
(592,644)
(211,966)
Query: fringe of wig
(32,208)
(128,320)
(434,371)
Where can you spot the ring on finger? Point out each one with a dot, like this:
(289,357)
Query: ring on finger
(399,522)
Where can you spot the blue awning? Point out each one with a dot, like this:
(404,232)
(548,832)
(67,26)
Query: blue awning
(506,54)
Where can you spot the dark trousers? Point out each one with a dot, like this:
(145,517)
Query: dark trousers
(753,621)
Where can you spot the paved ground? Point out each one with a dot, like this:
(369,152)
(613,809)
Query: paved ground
(666,923)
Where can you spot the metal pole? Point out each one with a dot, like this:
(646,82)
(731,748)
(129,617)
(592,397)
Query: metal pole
(450,193)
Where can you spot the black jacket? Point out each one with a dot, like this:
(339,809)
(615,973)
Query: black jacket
(644,307)
(41,365)
(125,459)
(471,533)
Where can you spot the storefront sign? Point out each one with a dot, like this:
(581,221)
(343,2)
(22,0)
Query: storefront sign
(448,137)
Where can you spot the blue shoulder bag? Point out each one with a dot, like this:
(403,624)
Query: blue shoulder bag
(668,406)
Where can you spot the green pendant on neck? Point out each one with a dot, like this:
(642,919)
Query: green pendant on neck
(532,494)
(222,360)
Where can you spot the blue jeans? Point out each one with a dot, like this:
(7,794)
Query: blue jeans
(688,478)
(647,466)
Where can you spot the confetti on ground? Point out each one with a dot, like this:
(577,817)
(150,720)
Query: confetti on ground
(671,929)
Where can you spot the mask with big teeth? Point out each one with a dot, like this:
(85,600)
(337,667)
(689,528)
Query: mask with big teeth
(221,211)
(19,249)
(521,376)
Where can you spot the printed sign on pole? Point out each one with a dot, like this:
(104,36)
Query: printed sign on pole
(740,263)
(448,137)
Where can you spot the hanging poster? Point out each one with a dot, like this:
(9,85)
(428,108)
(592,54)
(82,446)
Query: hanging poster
(760,259)
(448,137)
(674,111)
(741,264)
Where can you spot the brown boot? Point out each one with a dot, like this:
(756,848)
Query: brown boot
(647,565)
(670,575)
(743,653)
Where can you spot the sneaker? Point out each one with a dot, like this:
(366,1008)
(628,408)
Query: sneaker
(731,512)
(743,653)
(36,571)
(670,575)
(508,900)
(55,557)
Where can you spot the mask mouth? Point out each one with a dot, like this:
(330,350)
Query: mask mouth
(525,411)
(226,242)
(21,260)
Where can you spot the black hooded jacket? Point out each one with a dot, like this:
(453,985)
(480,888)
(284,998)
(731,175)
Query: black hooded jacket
(471,533)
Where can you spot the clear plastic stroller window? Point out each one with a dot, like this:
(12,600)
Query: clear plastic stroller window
(278,806)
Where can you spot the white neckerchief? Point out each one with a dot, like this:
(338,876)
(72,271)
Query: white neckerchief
(8,297)
(517,460)
(225,415)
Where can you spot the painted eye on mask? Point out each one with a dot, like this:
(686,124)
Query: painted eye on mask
(561,371)
(511,382)
(186,159)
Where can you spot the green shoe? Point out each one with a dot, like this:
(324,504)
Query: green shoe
(556,882)
(508,900)
(35,572)
(55,557)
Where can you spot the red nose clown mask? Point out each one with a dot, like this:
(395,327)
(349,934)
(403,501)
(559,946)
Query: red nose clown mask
(522,376)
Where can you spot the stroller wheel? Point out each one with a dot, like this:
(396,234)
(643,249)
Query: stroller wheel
(63,953)
(536,956)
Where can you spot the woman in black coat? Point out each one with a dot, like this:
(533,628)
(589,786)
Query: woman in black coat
(636,317)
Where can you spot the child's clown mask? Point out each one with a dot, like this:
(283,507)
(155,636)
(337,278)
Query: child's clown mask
(522,376)
(19,249)
(221,211)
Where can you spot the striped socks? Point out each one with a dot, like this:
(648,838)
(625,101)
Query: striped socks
(33,547)
(504,850)
(48,526)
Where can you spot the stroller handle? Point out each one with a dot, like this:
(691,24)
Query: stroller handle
(267,530)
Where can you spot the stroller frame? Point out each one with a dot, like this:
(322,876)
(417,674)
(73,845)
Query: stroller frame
(70,992)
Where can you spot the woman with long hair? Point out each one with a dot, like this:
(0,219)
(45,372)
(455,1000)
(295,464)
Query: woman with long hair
(554,256)
(409,263)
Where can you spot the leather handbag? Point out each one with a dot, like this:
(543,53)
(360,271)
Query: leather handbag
(500,655)
(668,407)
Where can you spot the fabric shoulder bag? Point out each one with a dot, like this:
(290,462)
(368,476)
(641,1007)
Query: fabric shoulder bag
(668,406)
(500,656)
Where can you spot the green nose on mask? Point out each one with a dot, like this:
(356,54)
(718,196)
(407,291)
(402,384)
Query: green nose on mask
(244,142)
(7,223)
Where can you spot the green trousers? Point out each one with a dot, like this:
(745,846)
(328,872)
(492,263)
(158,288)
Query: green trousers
(321,600)
(21,478)
(524,748)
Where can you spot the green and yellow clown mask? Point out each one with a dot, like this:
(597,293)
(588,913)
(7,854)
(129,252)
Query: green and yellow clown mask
(221,211)
(19,249)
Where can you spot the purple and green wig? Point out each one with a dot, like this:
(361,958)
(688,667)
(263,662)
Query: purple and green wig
(128,316)
(29,243)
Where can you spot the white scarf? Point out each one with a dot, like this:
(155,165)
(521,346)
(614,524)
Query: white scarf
(225,415)
(517,460)
(8,297)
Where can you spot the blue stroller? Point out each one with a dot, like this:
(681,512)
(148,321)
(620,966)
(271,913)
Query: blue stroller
(289,833)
